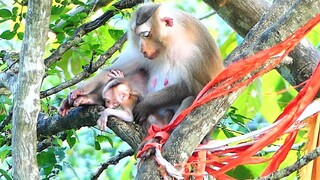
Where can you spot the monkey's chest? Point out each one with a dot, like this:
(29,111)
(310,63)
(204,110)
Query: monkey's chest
(159,81)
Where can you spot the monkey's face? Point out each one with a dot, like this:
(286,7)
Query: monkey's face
(148,48)
(110,99)
(115,96)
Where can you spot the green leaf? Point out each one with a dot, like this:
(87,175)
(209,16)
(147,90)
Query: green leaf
(97,145)
(82,15)
(71,140)
(65,16)
(4,151)
(5,174)
(101,138)
(53,71)
(5,13)
(20,35)
(8,34)
(61,37)
(58,30)
(46,161)
(16,26)
(58,142)
(228,133)
(115,33)
(94,46)
(15,10)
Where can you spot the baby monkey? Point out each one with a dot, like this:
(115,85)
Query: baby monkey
(118,93)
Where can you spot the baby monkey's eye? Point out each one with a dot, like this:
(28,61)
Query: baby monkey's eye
(145,34)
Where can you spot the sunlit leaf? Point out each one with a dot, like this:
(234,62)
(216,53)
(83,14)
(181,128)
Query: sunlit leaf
(7,34)
(20,35)
(115,33)
(16,26)
(4,151)
(5,13)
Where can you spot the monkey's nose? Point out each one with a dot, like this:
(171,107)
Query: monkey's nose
(145,54)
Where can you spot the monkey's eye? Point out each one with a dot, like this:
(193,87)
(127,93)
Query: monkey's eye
(145,34)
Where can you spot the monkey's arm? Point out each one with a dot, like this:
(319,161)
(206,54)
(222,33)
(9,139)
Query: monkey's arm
(124,115)
(170,95)
(91,98)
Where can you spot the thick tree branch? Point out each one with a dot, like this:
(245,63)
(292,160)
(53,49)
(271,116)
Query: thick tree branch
(191,131)
(88,116)
(305,55)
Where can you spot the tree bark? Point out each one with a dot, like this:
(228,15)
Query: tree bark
(27,99)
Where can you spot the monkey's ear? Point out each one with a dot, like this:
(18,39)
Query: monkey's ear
(168,21)
(125,95)
(124,91)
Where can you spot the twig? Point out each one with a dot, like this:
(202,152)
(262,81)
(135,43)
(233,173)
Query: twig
(112,161)
(87,71)
(297,165)
(86,28)
(211,13)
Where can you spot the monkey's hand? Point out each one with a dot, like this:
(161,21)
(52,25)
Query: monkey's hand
(68,103)
(64,108)
(116,74)
(103,119)
(74,95)
(142,110)
(83,100)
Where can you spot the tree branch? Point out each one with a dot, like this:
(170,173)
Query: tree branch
(112,161)
(88,70)
(305,55)
(86,28)
(88,116)
(92,5)
(304,160)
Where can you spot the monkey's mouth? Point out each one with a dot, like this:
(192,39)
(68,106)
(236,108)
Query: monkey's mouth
(151,56)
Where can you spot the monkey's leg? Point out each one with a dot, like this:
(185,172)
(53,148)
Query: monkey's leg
(184,105)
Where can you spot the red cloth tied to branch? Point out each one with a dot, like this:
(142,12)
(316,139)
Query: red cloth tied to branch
(228,81)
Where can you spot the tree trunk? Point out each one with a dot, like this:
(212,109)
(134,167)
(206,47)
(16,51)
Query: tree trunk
(26,97)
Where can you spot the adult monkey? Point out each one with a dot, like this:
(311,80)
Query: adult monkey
(175,49)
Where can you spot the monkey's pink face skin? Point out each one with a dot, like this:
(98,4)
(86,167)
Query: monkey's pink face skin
(114,97)
(110,99)
(150,55)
